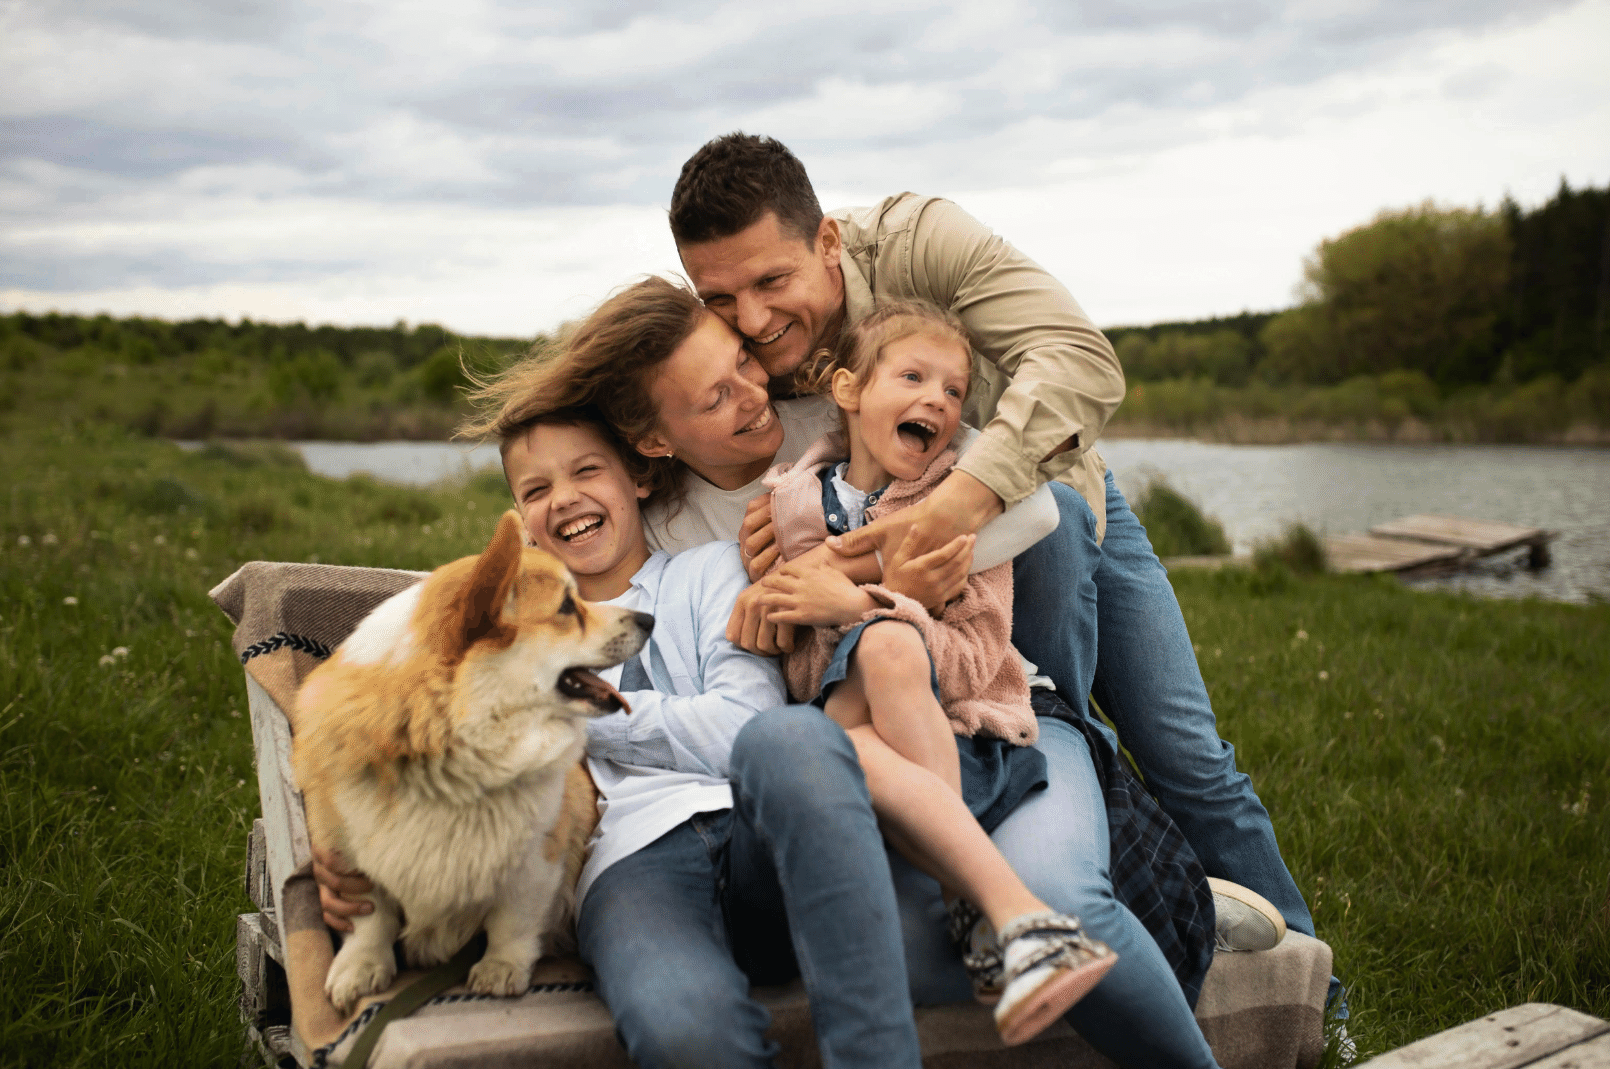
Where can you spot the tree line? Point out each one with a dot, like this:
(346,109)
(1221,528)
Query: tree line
(1459,296)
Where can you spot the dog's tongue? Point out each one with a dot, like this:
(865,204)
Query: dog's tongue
(596,690)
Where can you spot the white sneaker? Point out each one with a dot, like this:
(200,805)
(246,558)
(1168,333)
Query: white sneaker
(1245,920)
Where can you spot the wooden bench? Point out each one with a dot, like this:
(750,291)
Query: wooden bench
(1534,1035)
(1257,1010)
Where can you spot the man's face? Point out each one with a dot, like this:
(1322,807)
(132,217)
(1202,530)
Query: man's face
(785,296)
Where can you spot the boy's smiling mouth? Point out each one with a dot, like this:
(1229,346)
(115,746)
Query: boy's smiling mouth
(579,528)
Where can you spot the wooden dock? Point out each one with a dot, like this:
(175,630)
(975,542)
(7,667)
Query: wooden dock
(1428,543)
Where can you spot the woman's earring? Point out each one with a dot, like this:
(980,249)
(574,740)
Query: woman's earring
(669,455)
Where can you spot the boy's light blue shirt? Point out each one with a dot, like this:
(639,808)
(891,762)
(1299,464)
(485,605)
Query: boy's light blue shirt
(668,758)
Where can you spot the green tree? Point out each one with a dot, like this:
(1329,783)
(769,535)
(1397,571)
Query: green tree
(1417,289)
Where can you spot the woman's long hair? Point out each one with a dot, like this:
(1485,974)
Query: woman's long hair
(605,364)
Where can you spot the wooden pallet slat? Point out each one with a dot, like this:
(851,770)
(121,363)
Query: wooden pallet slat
(1483,536)
(1508,1039)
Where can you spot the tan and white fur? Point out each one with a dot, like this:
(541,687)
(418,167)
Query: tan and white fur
(438,750)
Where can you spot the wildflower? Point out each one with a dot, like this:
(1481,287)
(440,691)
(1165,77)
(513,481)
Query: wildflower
(1218,652)
(191,554)
(235,713)
(107,658)
(1302,636)
(1323,674)
(1348,715)
(69,600)
(49,539)
(24,540)
(120,651)
(425,529)
(1442,747)
(160,540)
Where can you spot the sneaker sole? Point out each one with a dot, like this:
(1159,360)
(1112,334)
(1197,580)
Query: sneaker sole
(1053,998)
(1255,924)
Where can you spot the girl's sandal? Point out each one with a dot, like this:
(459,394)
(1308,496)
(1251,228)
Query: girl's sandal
(1050,964)
(975,940)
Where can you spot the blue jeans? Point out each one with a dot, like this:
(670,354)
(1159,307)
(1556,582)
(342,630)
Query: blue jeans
(1143,674)
(1056,840)
(794,876)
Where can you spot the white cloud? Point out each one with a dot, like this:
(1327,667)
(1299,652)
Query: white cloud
(500,168)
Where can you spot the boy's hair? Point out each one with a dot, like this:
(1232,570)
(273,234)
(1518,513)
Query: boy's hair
(732,181)
(638,466)
(861,347)
(600,370)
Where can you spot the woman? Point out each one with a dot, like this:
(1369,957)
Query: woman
(677,384)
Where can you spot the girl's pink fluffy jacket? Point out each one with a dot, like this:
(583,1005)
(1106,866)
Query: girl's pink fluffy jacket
(981,681)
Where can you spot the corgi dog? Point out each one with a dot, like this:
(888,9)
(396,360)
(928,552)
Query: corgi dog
(439,748)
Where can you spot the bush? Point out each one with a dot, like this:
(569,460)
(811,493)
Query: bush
(1178,528)
(1299,551)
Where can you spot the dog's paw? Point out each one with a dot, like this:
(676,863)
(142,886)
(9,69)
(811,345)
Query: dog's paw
(495,976)
(353,976)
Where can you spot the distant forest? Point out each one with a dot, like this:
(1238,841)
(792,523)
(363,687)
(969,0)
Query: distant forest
(1426,323)
(1447,323)
(205,377)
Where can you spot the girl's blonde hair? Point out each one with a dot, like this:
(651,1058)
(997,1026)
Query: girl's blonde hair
(604,365)
(861,347)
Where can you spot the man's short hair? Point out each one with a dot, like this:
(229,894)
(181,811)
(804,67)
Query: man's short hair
(732,181)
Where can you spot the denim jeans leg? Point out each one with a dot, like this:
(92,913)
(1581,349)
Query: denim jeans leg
(1054,617)
(1057,842)
(651,927)
(1147,681)
(805,843)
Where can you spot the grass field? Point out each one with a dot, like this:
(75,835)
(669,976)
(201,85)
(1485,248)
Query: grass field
(1436,766)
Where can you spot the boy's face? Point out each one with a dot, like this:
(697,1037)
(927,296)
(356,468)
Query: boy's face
(909,410)
(576,498)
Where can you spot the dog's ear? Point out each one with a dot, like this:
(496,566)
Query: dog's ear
(492,579)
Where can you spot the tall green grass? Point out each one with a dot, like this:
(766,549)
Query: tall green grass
(1436,766)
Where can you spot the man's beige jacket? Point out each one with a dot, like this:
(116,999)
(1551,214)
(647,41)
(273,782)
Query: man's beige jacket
(1042,372)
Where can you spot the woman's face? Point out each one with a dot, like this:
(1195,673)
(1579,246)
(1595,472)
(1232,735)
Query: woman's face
(714,412)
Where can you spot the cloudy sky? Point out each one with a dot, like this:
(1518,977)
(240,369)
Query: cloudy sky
(499,167)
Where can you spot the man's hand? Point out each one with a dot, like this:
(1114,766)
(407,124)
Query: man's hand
(960,506)
(757,539)
(749,629)
(339,885)
(814,594)
(934,578)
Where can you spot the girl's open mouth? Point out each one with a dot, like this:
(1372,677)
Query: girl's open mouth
(917,435)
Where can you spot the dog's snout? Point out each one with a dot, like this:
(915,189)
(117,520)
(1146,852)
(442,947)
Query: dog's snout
(644,620)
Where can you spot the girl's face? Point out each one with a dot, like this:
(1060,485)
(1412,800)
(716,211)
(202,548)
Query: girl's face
(909,410)
(578,503)
(714,411)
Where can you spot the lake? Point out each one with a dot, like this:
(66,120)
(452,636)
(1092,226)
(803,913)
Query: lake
(1256,490)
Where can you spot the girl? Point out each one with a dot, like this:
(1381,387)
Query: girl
(902,683)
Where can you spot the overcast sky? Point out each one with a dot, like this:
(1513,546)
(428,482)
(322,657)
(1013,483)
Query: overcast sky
(498,168)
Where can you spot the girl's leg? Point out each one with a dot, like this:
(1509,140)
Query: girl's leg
(930,825)
(888,687)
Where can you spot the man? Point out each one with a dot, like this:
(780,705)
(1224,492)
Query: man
(763,256)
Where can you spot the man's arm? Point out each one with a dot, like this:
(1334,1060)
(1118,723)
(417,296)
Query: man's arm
(1066,380)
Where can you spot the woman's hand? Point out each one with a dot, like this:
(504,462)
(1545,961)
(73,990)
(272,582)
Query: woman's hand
(810,593)
(757,539)
(339,885)
(934,578)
